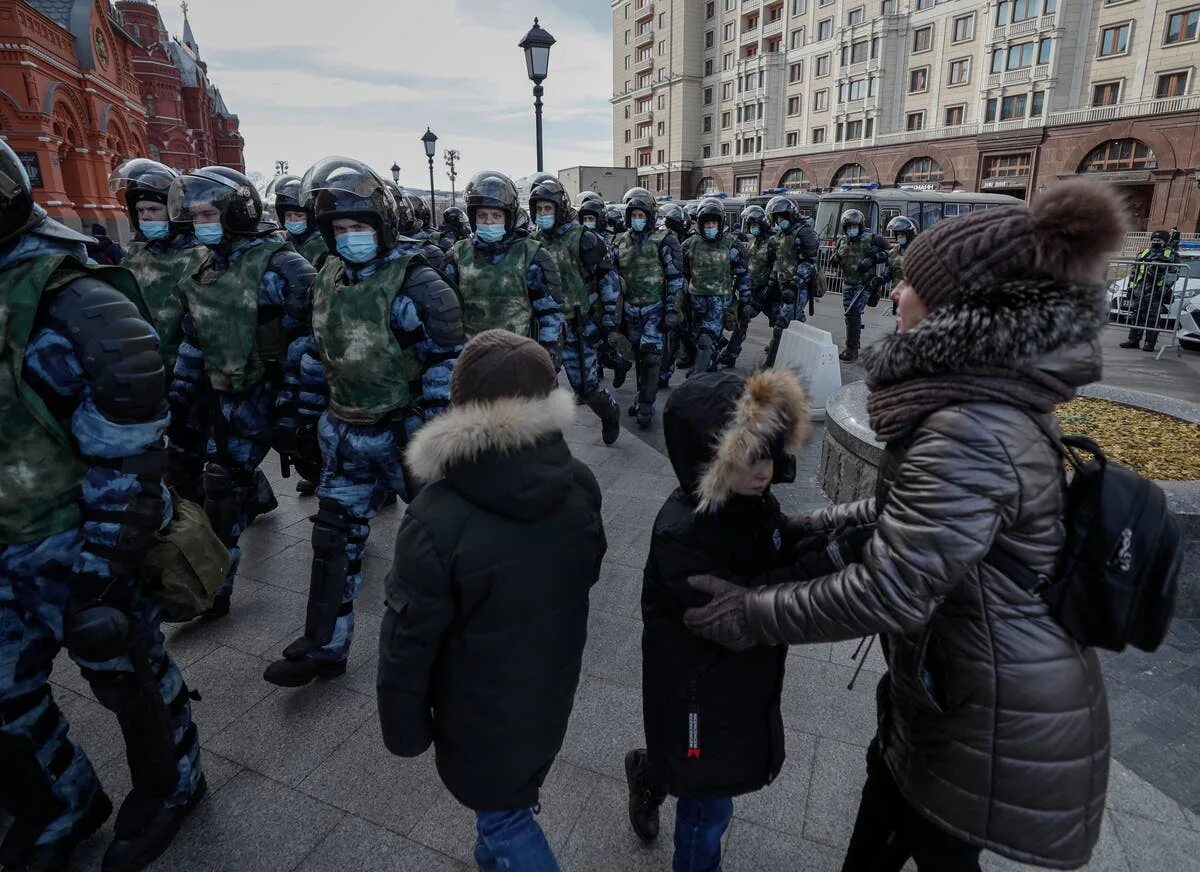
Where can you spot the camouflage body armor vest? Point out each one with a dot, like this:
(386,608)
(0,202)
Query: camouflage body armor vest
(896,264)
(157,275)
(710,266)
(314,250)
(367,370)
(495,295)
(41,473)
(759,262)
(852,252)
(642,268)
(224,310)
(786,258)
(564,248)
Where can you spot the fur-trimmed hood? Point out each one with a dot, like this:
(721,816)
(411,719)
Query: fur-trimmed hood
(717,424)
(1017,325)
(467,433)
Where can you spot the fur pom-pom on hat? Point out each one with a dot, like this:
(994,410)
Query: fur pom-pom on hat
(1067,234)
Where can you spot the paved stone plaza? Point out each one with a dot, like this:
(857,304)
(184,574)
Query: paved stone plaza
(301,780)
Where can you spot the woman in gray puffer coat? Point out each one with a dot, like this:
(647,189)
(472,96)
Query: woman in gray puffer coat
(993,722)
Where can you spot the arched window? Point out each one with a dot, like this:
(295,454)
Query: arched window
(794,180)
(920,170)
(851,173)
(1119,154)
(707,187)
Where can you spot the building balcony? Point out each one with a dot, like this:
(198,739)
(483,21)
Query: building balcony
(754,125)
(643,36)
(643,11)
(643,141)
(1188,103)
(643,117)
(868,66)
(643,65)
(772,28)
(1024,28)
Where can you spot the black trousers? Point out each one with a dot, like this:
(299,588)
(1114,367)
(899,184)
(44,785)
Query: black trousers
(888,831)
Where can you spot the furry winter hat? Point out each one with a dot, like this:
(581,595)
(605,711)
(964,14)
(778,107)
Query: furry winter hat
(497,364)
(769,418)
(1066,234)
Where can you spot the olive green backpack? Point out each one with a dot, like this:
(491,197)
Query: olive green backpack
(186,565)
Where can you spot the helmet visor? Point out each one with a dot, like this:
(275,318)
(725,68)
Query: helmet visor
(343,175)
(142,173)
(189,193)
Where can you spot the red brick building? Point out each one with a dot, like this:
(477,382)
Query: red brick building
(73,102)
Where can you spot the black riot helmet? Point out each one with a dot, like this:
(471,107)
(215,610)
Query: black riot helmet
(143,179)
(421,214)
(493,191)
(780,206)
(551,190)
(615,216)
(456,218)
(586,197)
(230,192)
(640,198)
(674,218)
(852,217)
(404,215)
(410,222)
(341,187)
(754,215)
(592,207)
(902,229)
(521,223)
(287,197)
(710,209)
(16,196)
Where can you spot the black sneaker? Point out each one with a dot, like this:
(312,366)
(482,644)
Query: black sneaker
(20,853)
(644,797)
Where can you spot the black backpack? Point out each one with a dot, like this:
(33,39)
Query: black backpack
(1118,574)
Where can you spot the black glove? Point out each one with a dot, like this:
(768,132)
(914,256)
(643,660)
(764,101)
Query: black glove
(867,264)
(283,436)
(723,620)
(836,260)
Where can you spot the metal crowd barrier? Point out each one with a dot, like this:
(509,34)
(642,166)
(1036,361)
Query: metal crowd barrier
(1155,298)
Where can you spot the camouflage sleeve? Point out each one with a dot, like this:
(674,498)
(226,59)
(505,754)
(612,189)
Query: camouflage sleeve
(450,268)
(188,385)
(305,394)
(118,421)
(672,259)
(738,267)
(685,260)
(598,261)
(545,295)
(427,316)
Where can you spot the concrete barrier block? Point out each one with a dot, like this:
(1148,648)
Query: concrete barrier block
(811,354)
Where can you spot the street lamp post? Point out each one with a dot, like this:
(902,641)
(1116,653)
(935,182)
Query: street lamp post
(395,172)
(451,156)
(281,167)
(430,140)
(536,45)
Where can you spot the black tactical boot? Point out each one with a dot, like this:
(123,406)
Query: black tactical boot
(1151,345)
(704,357)
(849,355)
(298,672)
(145,828)
(609,413)
(20,853)
(218,609)
(644,797)
(261,499)
(621,372)
(648,372)
(306,488)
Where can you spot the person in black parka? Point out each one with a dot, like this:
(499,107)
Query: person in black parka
(487,600)
(712,719)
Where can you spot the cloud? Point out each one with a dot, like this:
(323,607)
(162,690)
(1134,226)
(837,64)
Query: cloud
(309,78)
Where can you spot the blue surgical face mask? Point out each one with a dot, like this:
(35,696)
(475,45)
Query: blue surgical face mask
(852,232)
(638,224)
(755,230)
(296,228)
(155,229)
(589,223)
(783,224)
(903,240)
(490,232)
(546,222)
(209,234)
(358,246)
(711,232)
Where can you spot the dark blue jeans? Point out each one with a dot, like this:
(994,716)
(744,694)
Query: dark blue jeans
(699,826)
(512,840)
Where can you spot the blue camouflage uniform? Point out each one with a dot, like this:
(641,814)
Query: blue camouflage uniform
(239,437)
(362,462)
(39,580)
(712,288)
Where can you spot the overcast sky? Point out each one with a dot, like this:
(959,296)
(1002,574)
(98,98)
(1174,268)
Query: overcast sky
(364,78)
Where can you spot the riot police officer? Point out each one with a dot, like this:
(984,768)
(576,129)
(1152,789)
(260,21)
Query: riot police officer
(614,217)
(82,457)
(613,349)
(794,277)
(295,217)
(673,217)
(903,230)
(1151,281)
(760,260)
(590,209)
(388,329)
(591,292)
(649,260)
(858,254)
(454,227)
(714,264)
(409,224)
(507,280)
(242,308)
